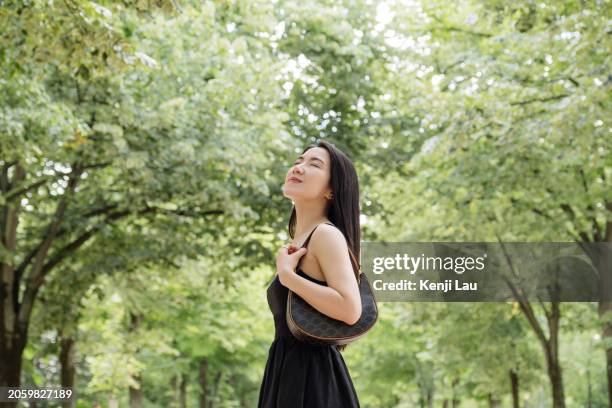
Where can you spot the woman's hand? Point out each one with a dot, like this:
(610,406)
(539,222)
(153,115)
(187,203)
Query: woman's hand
(287,259)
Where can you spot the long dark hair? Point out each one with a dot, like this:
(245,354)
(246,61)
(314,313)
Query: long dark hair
(343,208)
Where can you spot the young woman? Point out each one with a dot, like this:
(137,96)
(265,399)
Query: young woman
(324,224)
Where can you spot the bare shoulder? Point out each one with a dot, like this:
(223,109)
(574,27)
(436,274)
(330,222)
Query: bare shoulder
(330,249)
(328,239)
(328,231)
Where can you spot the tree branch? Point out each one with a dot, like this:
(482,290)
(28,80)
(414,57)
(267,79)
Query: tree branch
(598,233)
(572,215)
(8,239)
(546,99)
(523,302)
(13,194)
(447,27)
(35,281)
(43,248)
(185,213)
(570,212)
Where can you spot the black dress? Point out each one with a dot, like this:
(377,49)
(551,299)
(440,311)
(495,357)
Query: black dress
(301,375)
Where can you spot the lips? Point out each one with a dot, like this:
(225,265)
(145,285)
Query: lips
(294,180)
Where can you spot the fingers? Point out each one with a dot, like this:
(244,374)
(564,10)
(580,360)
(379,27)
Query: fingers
(300,251)
(288,248)
(292,249)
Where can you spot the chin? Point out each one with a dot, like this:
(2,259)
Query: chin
(287,192)
(288,195)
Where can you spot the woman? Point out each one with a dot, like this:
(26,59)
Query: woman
(324,224)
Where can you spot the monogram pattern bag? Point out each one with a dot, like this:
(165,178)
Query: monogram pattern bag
(311,326)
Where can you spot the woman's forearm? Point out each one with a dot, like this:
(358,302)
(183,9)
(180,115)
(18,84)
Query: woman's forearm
(323,298)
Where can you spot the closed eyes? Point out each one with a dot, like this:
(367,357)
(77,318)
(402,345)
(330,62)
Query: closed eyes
(297,162)
(312,163)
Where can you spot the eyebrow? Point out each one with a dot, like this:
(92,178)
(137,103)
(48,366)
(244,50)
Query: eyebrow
(312,158)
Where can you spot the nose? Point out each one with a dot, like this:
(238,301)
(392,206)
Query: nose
(297,169)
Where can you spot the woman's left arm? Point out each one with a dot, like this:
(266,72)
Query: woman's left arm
(340,299)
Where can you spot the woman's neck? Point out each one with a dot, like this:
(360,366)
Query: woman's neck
(306,218)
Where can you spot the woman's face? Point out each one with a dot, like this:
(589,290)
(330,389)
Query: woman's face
(308,178)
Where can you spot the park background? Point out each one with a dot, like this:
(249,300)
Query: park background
(143,148)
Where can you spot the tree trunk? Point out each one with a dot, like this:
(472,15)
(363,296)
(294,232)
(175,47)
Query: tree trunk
(589,389)
(202,382)
(550,345)
(136,395)
(10,361)
(605,303)
(10,365)
(183,392)
(238,390)
(455,400)
(551,352)
(554,367)
(426,397)
(68,370)
(514,381)
(15,313)
(425,384)
(605,315)
(13,332)
(215,393)
(175,396)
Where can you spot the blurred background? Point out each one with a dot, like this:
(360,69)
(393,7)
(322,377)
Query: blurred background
(143,145)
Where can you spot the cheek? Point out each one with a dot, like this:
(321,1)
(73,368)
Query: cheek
(321,180)
(325,178)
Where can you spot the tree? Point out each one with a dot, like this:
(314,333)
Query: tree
(513,118)
(108,140)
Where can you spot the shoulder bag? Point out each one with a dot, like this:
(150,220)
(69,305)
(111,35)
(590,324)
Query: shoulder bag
(311,326)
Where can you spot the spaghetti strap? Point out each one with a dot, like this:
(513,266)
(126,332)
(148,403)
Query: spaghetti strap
(304,245)
(312,232)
